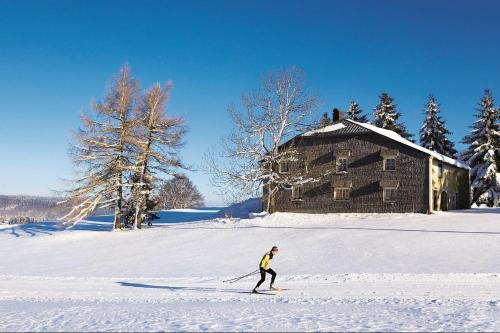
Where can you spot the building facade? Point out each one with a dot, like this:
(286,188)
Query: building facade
(361,168)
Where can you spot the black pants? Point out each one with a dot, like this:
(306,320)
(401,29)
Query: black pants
(263,276)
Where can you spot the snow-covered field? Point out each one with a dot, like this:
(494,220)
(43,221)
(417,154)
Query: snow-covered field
(354,272)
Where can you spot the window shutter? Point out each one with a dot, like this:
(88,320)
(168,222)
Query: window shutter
(387,153)
(342,183)
(342,153)
(389,183)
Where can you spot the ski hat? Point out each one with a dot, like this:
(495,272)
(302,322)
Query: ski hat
(274,248)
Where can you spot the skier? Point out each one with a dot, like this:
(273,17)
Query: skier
(265,267)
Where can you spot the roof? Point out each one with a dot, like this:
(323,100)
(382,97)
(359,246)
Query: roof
(348,126)
(341,128)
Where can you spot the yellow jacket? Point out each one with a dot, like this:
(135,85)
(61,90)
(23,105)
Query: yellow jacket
(265,263)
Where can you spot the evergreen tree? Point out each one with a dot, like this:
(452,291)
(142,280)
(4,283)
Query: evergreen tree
(483,153)
(386,116)
(433,134)
(325,120)
(354,113)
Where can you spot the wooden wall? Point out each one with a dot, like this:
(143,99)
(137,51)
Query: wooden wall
(365,170)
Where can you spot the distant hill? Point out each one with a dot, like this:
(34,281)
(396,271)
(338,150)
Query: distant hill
(31,208)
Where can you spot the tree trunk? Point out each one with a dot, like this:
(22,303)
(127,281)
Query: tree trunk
(118,217)
(268,208)
(138,217)
(273,202)
(271,199)
(118,205)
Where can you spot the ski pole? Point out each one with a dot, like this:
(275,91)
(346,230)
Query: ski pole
(244,276)
(241,277)
(253,273)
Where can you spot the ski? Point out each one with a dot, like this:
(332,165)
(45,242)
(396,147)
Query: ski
(261,293)
(279,289)
(257,293)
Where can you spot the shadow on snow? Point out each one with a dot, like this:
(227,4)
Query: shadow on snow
(176,288)
(105,222)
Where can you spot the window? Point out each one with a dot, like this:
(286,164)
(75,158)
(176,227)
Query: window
(283,167)
(389,194)
(341,193)
(440,169)
(389,164)
(341,165)
(297,192)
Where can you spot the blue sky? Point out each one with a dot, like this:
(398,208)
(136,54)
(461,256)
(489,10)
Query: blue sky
(57,56)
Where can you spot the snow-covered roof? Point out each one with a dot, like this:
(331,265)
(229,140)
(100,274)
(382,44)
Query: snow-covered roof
(391,135)
(395,136)
(326,129)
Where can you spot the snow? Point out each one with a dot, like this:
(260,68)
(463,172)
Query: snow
(394,136)
(243,209)
(326,129)
(347,272)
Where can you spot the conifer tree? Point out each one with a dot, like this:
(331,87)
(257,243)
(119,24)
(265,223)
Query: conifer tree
(121,149)
(103,151)
(157,139)
(483,153)
(325,120)
(433,134)
(386,116)
(355,113)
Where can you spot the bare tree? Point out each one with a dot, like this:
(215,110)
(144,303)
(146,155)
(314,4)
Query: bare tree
(103,151)
(179,192)
(157,138)
(252,153)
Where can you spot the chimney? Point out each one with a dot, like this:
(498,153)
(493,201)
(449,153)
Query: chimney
(337,115)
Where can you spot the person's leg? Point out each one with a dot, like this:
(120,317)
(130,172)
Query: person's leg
(262,278)
(273,274)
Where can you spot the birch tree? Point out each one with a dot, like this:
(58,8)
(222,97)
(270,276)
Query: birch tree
(102,151)
(252,152)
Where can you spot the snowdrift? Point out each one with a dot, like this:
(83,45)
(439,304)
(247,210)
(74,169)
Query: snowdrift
(243,209)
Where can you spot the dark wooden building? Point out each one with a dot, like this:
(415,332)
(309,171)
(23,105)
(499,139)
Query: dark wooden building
(363,168)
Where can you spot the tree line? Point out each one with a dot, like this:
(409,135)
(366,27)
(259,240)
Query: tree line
(126,151)
(482,153)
